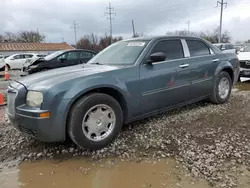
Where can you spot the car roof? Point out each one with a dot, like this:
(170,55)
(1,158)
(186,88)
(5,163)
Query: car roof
(72,50)
(162,37)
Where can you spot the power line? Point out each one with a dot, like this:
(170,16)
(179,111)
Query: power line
(110,14)
(221,15)
(75,28)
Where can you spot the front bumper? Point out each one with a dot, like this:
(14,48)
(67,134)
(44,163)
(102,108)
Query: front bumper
(33,125)
(27,119)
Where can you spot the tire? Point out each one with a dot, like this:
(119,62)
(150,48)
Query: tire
(239,79)
(80,110)
(216,98)
(8,66)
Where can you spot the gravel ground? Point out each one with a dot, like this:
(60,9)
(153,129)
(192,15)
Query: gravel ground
(210,141)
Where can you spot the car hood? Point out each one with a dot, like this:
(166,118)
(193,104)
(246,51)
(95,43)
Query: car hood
(244,56)
(51,77)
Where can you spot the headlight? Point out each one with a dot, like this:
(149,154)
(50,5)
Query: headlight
(33,66)
(34,98)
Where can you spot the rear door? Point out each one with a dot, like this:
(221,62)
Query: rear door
(17,61)
(165,84)
(203,62)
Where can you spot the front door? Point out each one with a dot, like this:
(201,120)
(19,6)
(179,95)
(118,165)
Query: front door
(67,59)
(165,84)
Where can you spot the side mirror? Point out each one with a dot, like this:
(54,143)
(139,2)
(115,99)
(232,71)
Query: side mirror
(12,59)
(62,59)
(157,57)
(222,49)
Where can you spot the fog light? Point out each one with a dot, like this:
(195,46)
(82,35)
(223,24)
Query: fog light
(45,115)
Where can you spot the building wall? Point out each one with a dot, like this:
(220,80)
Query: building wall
(8,53)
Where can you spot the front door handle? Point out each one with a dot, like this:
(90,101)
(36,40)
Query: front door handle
(184,65)
(216,60)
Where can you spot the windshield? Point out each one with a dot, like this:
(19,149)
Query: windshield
(247,49)
(120,53)
(53,55)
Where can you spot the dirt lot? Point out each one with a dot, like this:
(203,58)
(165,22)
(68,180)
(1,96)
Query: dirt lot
(208,141)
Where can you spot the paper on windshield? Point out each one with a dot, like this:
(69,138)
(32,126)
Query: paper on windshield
(136,44)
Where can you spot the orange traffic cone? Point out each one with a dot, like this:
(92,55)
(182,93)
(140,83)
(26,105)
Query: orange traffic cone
(2,100)
(6,73)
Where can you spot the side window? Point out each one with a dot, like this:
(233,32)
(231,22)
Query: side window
(28,56)
(172,48)
(72,56)
(86,55)
(68,56)
(231,46)
(18,57)
(197,48)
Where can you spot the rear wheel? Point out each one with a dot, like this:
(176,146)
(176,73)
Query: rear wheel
(95,121)
(222,88)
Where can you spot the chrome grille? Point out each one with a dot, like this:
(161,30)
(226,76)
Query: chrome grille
(245,64)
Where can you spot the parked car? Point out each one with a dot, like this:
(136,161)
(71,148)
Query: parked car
(2,62)
(244,58)
(226,47)
(16,61)
(129,80)
(57,59)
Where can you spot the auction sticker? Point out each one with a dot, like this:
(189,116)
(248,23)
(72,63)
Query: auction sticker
(136,44)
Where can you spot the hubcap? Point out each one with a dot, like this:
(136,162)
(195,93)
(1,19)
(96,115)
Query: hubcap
(224,88)
(98,123)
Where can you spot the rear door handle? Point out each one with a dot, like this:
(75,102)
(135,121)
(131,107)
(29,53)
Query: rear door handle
(216,60)
(184,65)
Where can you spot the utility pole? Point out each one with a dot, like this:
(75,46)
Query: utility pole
(110,14)
(37,35)
(188,25)
(133,26)
(222,3)
(62,39)
(74,28)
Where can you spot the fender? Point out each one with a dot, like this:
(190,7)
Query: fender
(221,66)
(94,83)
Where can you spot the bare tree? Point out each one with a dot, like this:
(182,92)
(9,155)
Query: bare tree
(9,37)
(30,36)
(96,43)
(1,38)
(211,36)
(181,33)
(24,36)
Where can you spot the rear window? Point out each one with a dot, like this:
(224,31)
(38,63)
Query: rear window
(197,48)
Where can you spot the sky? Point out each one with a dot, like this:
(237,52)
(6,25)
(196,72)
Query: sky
(55,18)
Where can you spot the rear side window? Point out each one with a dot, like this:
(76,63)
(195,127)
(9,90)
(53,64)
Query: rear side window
(172,48)
(19,57)
(28,55)
(86,54)
(197,48)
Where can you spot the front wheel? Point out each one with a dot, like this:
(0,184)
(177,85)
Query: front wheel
(95,121)
(222,88)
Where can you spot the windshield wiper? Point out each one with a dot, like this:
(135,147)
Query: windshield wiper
(97,63)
